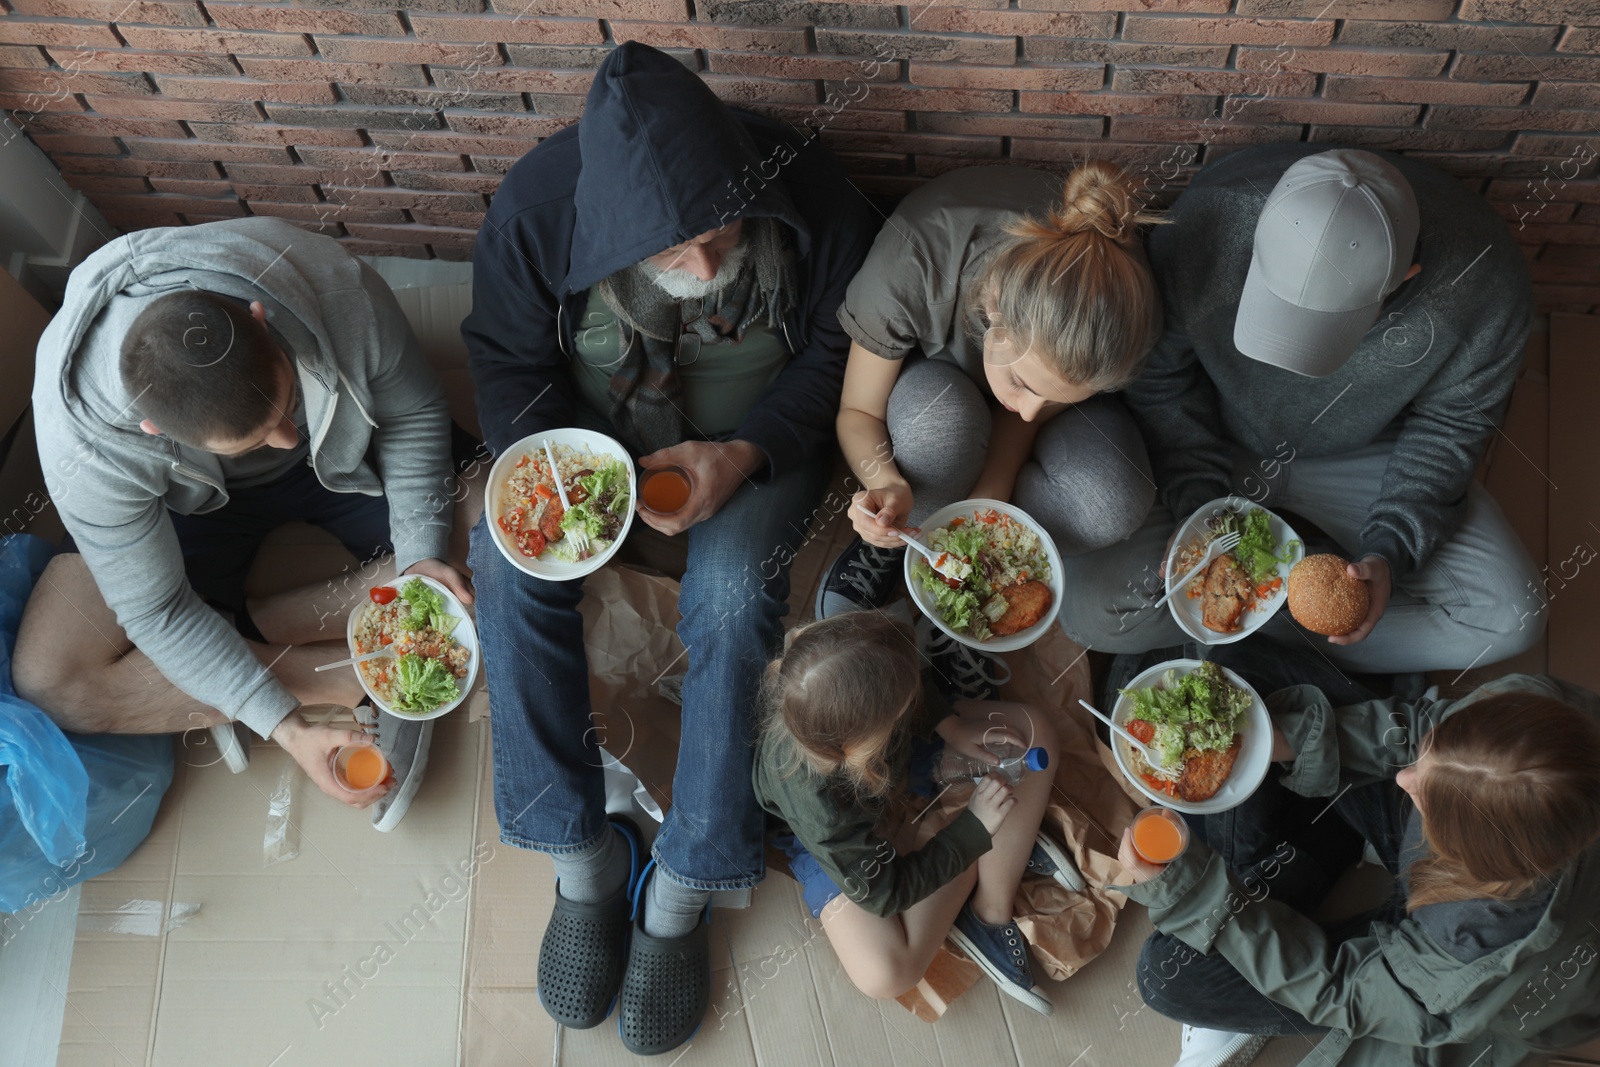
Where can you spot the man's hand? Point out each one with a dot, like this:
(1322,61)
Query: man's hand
(890,506)
(312,747)
(716,469)
(1139,870)
(1374,570)
(445,575)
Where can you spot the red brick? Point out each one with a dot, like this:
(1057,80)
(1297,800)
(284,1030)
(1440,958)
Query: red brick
(497,164)
(1399,10)
(408,199)
(927,143)
(1483,67)
(1075,152)
(231,41)
(1424,91)
(417,234)
(75,144)
(862,163)
(197,63)
(1190,6)
(771,90)
(565,106)
(270,134)
(514,79)
(1140,128)
(205,152)
(159,108)
(321,70)
(1571,255)
(367,157)
(28,104)
(389,50)
(1393,63)
(163,202)
(21,56)
(1519,215)
(460,220)
(303,193)
(322,211)
(776,66)
(700,35)
(348,117)
(127,221)
(1568,95)
(268,174)
(1181,107)
(1579,12)
(1579,39)
(494,29)
(1449,116)
(159,12)
(107,125)
(449,141)
(106,183)
(285,19)
(246,89)
(1016,23)
(499,125)
(1583,192)
(1404,139)
(867,16)
(383,248)
(1462,36)
(1588,213)
(459,183)
(210,188)
(819,117)
(1188,82)
(1331,113)
(66,81)
(1469,165)
(1027,77)
(654,10)
(1184,29)
(1011,126)
(20,30)
(141,167)
(387,96)
(1561,146)
(887,46)
(1123,54)
(895,97)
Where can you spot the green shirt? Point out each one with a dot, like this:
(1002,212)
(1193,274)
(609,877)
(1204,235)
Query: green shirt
(840,829)
(719,387)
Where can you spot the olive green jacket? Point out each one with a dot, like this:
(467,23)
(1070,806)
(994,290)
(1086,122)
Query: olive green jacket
(1394,997)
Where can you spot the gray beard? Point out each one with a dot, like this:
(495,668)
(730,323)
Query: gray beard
(681,285)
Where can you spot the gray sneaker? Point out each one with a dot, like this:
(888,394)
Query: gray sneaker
(404,743)
(1050,860)
(233,745)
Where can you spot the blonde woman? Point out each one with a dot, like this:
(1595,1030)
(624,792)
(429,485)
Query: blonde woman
(996,306)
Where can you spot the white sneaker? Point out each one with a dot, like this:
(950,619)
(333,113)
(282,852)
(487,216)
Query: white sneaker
(1218,1048)
(404,743)
(233,745)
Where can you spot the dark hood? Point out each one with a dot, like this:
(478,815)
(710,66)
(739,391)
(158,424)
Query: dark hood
(662,161)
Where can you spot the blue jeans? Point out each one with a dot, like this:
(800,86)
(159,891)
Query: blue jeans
(549,794)
(1278,845)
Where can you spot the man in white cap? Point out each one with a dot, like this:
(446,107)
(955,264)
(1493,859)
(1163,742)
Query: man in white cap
(1343,329)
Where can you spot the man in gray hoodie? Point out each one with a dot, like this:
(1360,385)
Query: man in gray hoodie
(199,387)
(1343,331)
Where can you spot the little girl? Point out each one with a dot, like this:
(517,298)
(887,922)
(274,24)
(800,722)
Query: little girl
(848,723)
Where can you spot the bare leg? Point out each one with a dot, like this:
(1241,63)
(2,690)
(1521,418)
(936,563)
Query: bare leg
(887,955)
(1000,869)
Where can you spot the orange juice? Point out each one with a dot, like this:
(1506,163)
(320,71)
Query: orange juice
(664,490)
(1159,835)
(359,767)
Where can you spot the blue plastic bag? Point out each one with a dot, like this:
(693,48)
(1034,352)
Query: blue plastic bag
(71,806)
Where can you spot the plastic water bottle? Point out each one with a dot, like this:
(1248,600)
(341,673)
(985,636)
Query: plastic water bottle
(1010,762)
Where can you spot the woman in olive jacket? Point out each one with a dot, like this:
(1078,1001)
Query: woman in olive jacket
(1487,811)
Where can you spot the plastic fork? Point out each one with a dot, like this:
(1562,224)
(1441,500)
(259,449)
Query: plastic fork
(386,650)
(942,562)
(1150,757)
(1219,545)
(578,535)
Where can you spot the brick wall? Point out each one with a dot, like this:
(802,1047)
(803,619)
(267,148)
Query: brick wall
(390,128)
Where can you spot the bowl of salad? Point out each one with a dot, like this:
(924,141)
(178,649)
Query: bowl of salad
(1010,589)
(531,527)
(1209,730)
(432,658)
(1240,589)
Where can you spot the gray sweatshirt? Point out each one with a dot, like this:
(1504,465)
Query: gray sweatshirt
(372,405)
(1437,367)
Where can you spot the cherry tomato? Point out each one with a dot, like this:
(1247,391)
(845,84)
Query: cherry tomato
(1141,730)
(531,542)
(383,594)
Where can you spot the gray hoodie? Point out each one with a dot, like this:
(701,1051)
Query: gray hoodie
(372,405)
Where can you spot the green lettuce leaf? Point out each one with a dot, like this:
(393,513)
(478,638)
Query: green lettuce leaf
(424,684)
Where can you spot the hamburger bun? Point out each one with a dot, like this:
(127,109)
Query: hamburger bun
(1323,598)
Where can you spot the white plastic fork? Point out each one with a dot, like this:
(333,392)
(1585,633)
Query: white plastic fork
(578,535)
(943,563)
(1225,543)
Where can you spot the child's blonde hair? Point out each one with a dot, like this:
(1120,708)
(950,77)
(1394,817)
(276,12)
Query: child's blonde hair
(1075,286)
(839,694)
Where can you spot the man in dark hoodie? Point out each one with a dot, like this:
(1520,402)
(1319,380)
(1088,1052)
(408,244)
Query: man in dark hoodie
(668,271)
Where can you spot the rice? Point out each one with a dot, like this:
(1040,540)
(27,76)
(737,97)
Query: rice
(522,508)
(379,624)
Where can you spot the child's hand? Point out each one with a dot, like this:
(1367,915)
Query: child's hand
(977,725)
(991,802)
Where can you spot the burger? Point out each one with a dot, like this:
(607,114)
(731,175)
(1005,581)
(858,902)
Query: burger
(1323,598)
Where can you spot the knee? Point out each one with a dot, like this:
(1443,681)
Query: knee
(747,598)
(884,979)
(1160,962)
(60,691)
(1037,729)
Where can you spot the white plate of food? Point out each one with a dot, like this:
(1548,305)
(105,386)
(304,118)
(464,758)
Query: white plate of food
(435,660)
(1014,590)
(1207,725)
(1241,589)
(524,510)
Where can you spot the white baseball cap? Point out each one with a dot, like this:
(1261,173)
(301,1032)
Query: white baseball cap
(1336,235)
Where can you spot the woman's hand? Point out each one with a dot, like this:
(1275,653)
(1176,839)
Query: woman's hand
(716,470)
(970,731)
(890,506)
(991,802)
(1139,869)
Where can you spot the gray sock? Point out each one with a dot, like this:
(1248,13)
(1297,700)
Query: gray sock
(594,874)
(672,909)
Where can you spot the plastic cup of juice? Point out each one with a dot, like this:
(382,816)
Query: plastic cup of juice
(359,767)
(664,490)
(1159,835)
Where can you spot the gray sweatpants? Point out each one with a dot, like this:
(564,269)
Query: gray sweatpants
(1088,482)
(1477,600)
